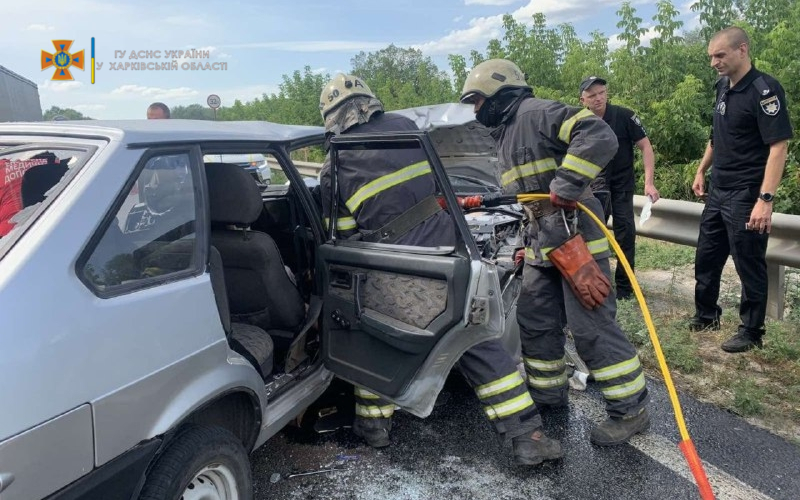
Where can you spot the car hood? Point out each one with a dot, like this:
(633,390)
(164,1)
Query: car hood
(465,147)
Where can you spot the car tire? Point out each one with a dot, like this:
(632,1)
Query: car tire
(201,462)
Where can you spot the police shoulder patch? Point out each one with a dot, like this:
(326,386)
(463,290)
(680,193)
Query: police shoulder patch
(771,105)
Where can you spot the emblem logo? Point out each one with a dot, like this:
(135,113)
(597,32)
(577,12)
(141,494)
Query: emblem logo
(62,59)
(771,105)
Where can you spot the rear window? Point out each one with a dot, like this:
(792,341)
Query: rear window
(29,177)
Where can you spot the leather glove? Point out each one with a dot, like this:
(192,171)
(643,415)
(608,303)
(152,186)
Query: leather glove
(519,256)
(579,268)
(563,203)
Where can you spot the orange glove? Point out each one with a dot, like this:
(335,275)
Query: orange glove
(579,268)
(560,202)
(519,256)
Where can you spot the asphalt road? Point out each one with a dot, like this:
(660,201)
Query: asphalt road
(454,454)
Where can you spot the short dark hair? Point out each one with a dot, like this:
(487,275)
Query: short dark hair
(160,105)
(735,36)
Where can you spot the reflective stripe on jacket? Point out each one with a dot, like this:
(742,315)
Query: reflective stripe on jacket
(547,145)
(378,185)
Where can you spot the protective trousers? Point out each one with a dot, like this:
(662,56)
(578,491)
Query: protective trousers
(619,204)
(723,233)
(500,388)
(545,300)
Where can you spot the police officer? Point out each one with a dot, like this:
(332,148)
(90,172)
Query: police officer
(548,147)
(615,185)
(748,148)
(398,184)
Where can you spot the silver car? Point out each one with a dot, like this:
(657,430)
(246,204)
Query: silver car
(163,317)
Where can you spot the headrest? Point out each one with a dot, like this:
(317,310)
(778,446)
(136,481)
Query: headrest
(233,194)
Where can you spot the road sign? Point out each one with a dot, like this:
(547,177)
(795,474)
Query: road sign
(213,101)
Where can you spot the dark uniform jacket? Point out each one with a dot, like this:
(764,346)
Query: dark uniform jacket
(618,174)
(546,145)
(376,186)
(747,119)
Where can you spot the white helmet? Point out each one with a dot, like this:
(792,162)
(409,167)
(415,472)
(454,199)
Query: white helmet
(340,88)
(490,76)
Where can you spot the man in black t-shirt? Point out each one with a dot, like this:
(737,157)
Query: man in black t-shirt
(747,150)
(614,186)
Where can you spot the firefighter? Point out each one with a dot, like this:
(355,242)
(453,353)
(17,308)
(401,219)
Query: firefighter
(548,147)
(376,189)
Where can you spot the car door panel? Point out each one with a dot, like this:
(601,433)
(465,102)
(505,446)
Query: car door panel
(397,318)
(394,321)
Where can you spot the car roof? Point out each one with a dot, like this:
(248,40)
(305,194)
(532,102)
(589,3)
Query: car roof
(439,115)
(172,130)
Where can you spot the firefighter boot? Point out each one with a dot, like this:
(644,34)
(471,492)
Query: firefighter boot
(535,448)
(616,431)
(375,431)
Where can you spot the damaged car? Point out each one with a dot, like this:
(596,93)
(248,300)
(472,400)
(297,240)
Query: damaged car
(166,315)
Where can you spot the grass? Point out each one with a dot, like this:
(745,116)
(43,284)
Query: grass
(762,385)
(654,254)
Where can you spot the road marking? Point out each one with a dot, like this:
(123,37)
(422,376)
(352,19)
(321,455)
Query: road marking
(667,453)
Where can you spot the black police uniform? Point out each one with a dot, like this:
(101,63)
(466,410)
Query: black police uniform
(376,187)
(747,119)
(615,185)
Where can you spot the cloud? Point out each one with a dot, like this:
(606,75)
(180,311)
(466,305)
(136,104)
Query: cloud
(313,46)
(480,31)
(213,52)
(155,92)
(458,19)
(483,29)
(39,27)
(51,86)
(88,108)
(489,2)
(614,42)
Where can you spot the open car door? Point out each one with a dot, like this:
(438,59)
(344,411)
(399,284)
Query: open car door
(397,318)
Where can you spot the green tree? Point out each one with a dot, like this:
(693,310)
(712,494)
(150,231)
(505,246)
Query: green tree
(403,78)
(192,112)
(68,113)
(715,15)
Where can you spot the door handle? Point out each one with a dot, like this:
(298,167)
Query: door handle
(6,478)
(341,279)
(358,280)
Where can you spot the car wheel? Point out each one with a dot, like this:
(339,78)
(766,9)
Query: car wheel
(201,463)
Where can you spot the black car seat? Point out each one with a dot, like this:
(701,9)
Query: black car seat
(253,343)
(259,289)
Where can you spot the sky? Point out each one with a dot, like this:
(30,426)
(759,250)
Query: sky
(258,42)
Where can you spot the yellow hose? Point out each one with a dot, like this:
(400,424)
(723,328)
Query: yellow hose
(686,445)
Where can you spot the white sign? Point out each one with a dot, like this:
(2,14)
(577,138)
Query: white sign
(213,101)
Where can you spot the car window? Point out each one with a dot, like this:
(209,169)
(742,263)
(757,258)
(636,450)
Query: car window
(153,232)
(387,193)
(259,165)
(27,177)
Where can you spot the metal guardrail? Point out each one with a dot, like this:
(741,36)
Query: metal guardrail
(308,168)
(679,222)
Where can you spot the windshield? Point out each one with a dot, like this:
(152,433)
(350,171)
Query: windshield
(29,177)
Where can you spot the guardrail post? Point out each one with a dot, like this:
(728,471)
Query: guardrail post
(776,293)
